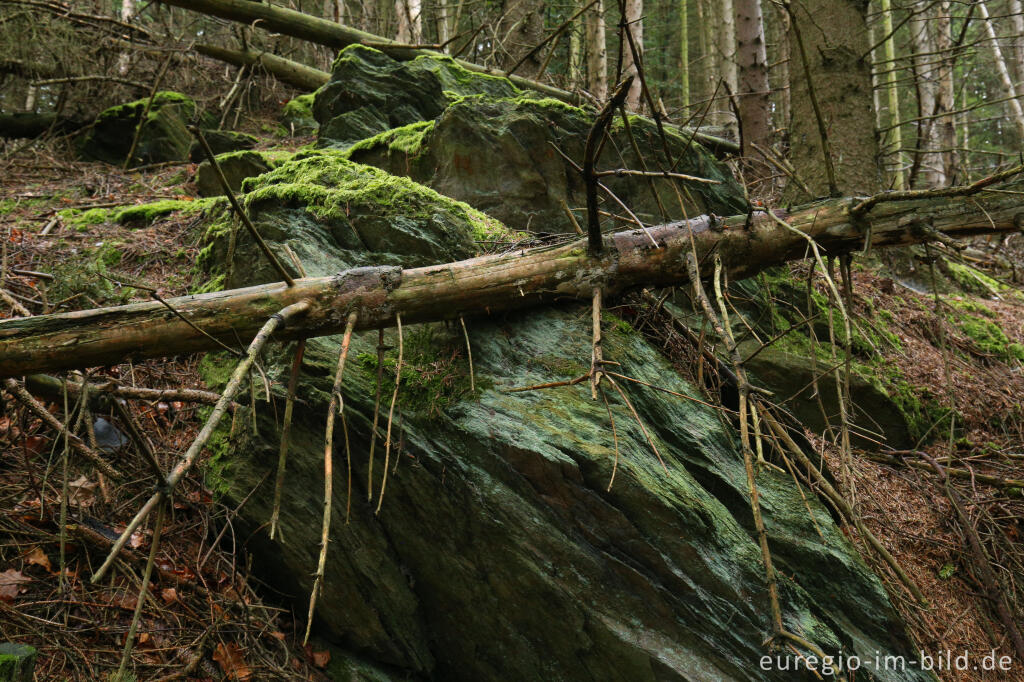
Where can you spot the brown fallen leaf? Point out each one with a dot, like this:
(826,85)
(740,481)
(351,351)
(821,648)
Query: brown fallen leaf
(11,582)
(169,595)
(37,557)
(229,658)
(82,491)
(321,658)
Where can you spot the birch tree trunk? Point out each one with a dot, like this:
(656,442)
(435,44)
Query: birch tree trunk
(1004,74)
(410,24)
(924,57)
(726,52)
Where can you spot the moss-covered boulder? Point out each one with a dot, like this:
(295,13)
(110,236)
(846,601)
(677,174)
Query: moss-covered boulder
(476,138)
(236,166)
(164,135)
(297,115)
(17,662)
(221,142)
(334,213)
(369,92)
(500,550)
(507,157)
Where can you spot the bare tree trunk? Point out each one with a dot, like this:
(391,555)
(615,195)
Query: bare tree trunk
(442,23)
(410,24)
(1004,74)
(895,134)
(924,57)
(832,109)
(944,134)
(1017,23)
(747,244)
(684,53)
(597,53)
(634,24)
(127,14)
(575,55)
(753,93)
(726,44)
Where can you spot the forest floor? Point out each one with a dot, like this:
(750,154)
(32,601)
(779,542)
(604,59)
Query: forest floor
(207,616)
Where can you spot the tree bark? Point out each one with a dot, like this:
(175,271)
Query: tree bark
(752,58)
(634,19)
(1004,74)
(488,284)
(597,53)
(835,45)
(285,70)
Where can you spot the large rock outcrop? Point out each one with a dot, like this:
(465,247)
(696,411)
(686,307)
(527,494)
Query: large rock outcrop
(500,551)
(478,139)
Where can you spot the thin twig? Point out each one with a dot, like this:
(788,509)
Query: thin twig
(336,405)
(391,414)
(192,454)
(286,430)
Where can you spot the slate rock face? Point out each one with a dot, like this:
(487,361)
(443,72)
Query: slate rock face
(236,168)
(164,135)
(478,139)
(500,551)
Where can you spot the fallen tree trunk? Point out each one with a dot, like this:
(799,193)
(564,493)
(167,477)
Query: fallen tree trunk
(324,32)
(33,125)
(285,70)
(488,284)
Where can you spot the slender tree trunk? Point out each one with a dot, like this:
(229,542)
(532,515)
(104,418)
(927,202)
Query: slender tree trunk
(127,14)
(442,23)
(575,55)
(747,244)
(1017,23)
(895,134)
(926,78)
(635,25)
(753,94)
(684,53)
(1004,74)
(410,24)
(597,53)
(726,52)
(944,134)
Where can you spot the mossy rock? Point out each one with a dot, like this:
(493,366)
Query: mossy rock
(236,166)
(164,135)
(530,187)
(369,92)
(499,551)
(297,115)
(221,142)
(17,662)
(335,213)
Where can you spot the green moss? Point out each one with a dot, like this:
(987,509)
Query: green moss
(405,139)
(988,336)
(145,214)
(327,184)
(435,372)
(298,107)
(82,220)
(971,279)
(969,306)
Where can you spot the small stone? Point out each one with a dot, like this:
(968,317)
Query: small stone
(17,662)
